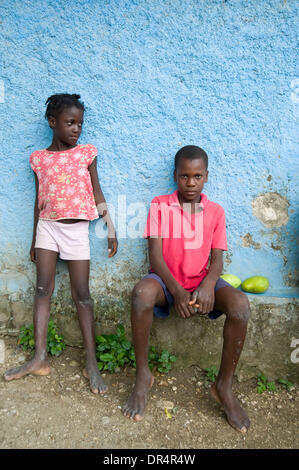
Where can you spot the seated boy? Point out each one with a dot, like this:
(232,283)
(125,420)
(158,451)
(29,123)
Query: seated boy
(184,231)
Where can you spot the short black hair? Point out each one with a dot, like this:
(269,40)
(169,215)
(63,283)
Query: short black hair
(60,101)
(190,152)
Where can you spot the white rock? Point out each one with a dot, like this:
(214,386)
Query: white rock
(105,420)
(74,363)
(22,358)
(2,351)
(166,404)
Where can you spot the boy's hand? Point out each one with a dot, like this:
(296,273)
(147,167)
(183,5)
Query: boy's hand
(181,303)
(203,297)
(112,245)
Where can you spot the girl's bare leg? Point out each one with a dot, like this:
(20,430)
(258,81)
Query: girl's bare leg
(45,274)
(79,277)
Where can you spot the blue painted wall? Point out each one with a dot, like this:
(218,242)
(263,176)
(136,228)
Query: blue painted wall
(154,76)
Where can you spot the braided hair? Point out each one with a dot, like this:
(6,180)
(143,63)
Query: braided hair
(60,101)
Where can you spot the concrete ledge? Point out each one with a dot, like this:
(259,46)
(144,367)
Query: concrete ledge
(272,327)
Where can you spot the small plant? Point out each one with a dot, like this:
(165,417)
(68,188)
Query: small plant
(115,351)
(55,342)
(288,385)
(26,338)
(211,374)
(263,384)
(153,357)
(163,361)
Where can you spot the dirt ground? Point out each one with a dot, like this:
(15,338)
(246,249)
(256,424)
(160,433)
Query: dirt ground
(59,411)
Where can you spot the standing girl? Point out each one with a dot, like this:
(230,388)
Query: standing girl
(68,196)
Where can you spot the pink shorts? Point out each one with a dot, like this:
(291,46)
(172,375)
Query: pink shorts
(71,241)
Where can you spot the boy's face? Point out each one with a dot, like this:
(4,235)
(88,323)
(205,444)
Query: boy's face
(190,176)
(67,126)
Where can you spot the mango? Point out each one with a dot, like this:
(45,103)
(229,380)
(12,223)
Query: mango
(232,280)
(255,284)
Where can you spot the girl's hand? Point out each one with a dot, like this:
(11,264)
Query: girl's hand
(32,254)
(112,246)
(181,303)
(203,298)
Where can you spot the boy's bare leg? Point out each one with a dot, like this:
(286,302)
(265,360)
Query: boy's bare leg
(79,276)
(146,294)
(236,306)
(45,273)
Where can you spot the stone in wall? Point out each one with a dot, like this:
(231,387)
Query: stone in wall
(22,313)
(14,283)
(5,313)
(271,209)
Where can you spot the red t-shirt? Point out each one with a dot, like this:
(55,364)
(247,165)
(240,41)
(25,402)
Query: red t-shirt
(187,238)
(65,189)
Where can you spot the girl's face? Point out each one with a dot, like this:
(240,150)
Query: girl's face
(67,126)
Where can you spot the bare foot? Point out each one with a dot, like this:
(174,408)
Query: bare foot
(235,414)
(33,367)
(96,381)
(135,406)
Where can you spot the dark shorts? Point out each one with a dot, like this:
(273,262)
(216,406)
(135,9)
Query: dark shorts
(163,312)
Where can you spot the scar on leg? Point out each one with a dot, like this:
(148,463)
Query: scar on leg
(241,316)
(41,291)
(85,302)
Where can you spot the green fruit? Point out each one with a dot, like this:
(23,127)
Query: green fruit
(232,280)
(255,284)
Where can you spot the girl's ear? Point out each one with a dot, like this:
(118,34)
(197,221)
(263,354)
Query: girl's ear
(52,122)
(206,177)
(174,175)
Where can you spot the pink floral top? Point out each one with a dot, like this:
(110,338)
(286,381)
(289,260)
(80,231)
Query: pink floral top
(65,189)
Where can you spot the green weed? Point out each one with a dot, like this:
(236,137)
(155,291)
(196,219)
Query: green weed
(26,338)
(211,374)
(162,361)
(55,342)
(115,351)
(288,385)
(263,384)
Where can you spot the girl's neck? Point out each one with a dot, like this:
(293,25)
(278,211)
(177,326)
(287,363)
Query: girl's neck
(59,146)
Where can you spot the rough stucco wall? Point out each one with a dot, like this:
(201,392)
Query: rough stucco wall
(154,76)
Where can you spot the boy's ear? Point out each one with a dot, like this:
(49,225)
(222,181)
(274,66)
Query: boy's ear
(174,175)
(206,178)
